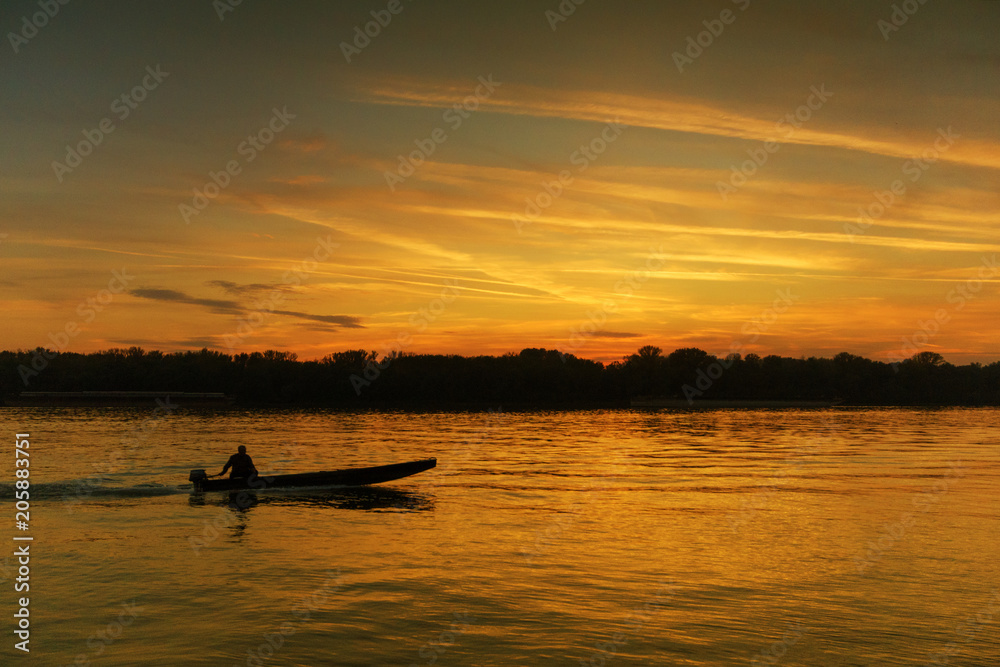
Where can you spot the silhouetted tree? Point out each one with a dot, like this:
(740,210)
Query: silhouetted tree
(534,376)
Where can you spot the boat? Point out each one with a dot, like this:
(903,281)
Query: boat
(326,478)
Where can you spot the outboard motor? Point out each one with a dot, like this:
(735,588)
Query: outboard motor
(197,476)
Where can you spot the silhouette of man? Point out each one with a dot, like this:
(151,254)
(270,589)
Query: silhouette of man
(241,463)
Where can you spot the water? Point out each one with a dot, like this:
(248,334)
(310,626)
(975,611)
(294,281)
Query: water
(791,537)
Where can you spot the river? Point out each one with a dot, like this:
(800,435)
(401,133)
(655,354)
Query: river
(845,536)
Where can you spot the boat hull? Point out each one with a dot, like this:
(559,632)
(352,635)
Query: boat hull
(331,478)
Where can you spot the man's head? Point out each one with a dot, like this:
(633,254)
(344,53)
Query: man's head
(241,449)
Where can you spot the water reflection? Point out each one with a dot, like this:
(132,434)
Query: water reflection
(555,541)
(355,498)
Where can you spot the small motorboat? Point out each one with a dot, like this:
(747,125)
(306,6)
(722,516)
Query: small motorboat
(326,478)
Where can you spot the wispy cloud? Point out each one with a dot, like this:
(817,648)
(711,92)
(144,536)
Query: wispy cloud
(215,305)
(250,290)
(309,143)
(676,115)
(616,334)
(235,308)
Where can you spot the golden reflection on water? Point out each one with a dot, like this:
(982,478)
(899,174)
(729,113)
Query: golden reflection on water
(698,538)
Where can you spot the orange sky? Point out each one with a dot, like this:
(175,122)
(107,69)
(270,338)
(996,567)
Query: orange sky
(319,241)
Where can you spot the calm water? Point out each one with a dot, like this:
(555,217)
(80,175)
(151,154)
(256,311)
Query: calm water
(826,537)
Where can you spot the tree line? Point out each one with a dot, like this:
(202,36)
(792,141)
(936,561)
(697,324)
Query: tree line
(533,376)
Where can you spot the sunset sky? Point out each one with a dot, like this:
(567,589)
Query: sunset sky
(320,240)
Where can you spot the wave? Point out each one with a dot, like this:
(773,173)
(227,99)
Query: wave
(79,490)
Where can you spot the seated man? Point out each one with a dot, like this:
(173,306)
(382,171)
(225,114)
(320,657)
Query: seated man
(241,463)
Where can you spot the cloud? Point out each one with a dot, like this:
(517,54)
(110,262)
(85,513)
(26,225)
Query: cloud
(234,308)
(676,115)
(306,143)
(347,321)
(362,229)
(215,305)
(249,290)
(616,334)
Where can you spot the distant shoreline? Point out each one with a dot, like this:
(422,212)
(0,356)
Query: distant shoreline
(111,399)
(181,401)
(534,378)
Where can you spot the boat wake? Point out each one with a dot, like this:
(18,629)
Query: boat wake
(80,490)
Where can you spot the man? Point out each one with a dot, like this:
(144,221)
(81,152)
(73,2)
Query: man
(241,463)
